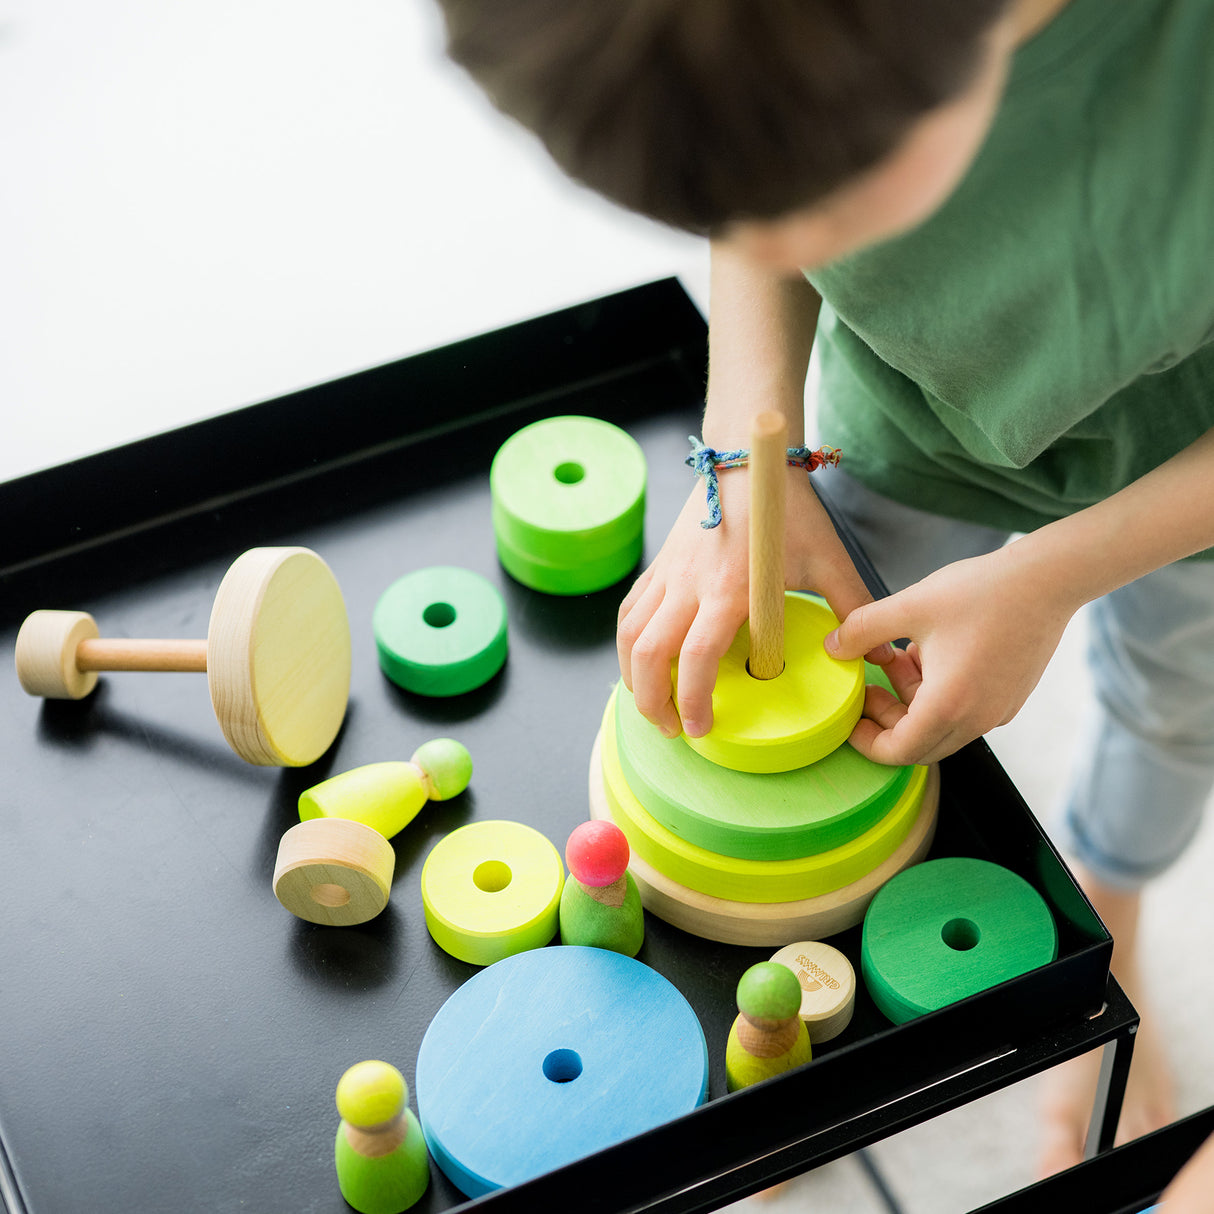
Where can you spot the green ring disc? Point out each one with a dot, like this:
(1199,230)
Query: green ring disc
(947,929)
(568,495)
(440,631)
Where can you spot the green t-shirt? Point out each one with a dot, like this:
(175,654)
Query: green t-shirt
(1047,336)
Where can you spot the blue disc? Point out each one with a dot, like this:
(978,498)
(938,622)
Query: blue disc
(550,1055)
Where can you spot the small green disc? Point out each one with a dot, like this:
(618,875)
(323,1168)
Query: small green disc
(947,929)
(568,504)
(440,631)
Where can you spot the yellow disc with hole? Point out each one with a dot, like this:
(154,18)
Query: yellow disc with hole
(492,889)
(805,713)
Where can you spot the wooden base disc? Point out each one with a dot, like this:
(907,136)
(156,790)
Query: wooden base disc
(492,889)
(755,817)
(45,654)
(769,924)
(334,871)
(948,929)
(797,718)
(752,880)
(549,1056)
(568,504)
(278,657)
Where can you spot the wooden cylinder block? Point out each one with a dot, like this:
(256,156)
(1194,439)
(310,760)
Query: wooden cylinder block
(46,654)
(800,716)
(492,889)
(828,986)
(334,871)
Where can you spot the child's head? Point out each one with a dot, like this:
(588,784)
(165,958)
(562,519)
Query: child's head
(736,117)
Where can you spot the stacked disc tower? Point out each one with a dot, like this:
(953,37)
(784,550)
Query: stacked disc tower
(770,828)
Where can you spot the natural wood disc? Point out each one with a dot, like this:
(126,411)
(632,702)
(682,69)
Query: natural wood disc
(334,871)
(278,656)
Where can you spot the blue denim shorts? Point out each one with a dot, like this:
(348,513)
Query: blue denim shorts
(1144,768)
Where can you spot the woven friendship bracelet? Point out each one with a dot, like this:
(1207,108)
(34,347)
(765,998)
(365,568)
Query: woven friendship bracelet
(707,462)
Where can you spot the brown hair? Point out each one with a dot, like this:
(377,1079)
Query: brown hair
(702,112)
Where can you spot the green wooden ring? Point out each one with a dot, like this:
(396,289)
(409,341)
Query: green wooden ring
(752,880)
(440,631)
(568,504)
(797,718)
(780,816)
(949,928)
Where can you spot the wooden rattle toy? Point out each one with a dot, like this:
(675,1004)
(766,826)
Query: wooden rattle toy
(768,1037)
(600,904)
(950,928)
(828,987)
(551,1055)
(778,706)
(568,504)
(440,631)
(380,1153)
(276,656)
(492,889)
(388,796)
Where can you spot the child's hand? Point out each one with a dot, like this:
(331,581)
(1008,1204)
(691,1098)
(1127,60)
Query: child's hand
(693,598)
(982,632)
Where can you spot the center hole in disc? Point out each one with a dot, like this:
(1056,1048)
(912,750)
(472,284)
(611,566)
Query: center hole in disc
(492,876)
(755,676)
(439,615)
(960,934)
(562,1066)
(330,895)
(569,473)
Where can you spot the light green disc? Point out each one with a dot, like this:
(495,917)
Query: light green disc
(568,504)
(440,631)
(779,816)
(949,928)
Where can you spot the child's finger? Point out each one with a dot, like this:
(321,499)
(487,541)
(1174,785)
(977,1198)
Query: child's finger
(643,600)
(699,659)
(652,655)
(866,628)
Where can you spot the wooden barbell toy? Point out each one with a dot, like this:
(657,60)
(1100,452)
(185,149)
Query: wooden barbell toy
(276,656)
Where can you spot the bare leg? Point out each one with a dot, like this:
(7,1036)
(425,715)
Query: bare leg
(1069,1090)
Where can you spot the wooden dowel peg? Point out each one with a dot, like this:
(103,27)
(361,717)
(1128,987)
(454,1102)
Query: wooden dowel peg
(276,656)
(98,654)
(768,459)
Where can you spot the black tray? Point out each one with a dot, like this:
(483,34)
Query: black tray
(170,1036)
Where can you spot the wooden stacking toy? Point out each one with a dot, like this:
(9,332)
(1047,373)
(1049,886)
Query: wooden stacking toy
(948,929)
(335,867)
(551,1055)
(768,1037)
(828,987)
(769,830)
(492,889)
(380,1154)
(440,631)
(600,904)
(276,656)
(568,504)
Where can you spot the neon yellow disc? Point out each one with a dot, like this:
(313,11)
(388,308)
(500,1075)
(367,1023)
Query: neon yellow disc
(802,715)
(492,889)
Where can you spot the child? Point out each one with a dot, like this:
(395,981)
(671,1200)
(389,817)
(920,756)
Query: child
(995,217)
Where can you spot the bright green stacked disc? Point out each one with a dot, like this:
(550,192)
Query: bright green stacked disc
(440,631)
(569,504)
(947,929)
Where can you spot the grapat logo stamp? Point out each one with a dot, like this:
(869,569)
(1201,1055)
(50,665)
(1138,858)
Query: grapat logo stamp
(813,977)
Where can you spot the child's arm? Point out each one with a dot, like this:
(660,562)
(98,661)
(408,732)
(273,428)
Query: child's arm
(692,599)
(983,630)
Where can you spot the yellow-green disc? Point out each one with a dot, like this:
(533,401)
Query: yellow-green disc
(492,889)
(797,718)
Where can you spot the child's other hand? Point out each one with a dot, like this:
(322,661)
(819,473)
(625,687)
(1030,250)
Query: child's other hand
(981,633)
(693,598)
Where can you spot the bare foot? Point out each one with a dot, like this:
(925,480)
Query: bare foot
(1070,1089)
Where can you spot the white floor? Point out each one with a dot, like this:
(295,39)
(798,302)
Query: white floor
(212,202)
